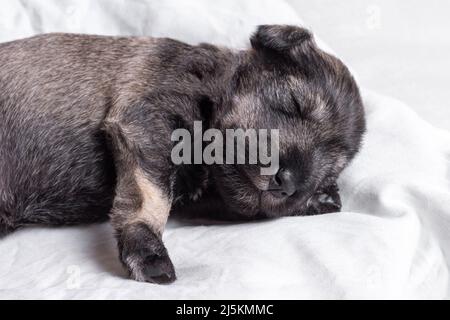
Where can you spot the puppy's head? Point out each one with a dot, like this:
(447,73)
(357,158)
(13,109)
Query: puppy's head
(286,82)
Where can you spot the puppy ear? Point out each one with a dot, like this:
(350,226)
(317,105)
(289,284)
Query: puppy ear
(280,37)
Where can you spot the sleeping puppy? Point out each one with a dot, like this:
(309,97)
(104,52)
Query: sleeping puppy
(86,124)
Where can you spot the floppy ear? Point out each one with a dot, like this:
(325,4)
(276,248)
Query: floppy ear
(280,37)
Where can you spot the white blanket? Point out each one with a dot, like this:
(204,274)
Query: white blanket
(392,239)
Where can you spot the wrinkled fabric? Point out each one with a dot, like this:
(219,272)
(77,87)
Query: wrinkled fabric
(392,239)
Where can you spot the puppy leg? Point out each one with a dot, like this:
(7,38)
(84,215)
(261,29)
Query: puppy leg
(326,200)
(139,215)
(143,196)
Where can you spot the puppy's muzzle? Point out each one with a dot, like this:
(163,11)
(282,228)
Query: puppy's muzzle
(282,184)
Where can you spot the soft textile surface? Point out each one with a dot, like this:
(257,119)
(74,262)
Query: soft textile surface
(399,50)
(392,239)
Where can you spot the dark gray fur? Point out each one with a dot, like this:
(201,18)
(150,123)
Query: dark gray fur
(80,114)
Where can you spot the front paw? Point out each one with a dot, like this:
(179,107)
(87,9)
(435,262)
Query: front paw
(326,200)
(144,255)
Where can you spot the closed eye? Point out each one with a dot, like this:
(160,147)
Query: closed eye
(294,110)
(298,109)
(335,143)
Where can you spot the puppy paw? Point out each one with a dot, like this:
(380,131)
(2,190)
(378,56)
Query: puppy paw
(144,255)
(326,200)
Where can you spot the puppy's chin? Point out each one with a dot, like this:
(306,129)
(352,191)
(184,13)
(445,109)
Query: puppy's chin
(251,203)
(242,196)
(272,206)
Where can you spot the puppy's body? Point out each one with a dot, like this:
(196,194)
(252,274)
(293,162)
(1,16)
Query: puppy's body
(54,98)
(86,124)
(56,92)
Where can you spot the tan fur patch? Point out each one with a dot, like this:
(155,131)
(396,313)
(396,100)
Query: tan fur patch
(155,205)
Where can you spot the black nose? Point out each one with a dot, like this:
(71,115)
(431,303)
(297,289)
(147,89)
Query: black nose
(282,184)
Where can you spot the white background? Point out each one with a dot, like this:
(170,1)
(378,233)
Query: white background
(398,48)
